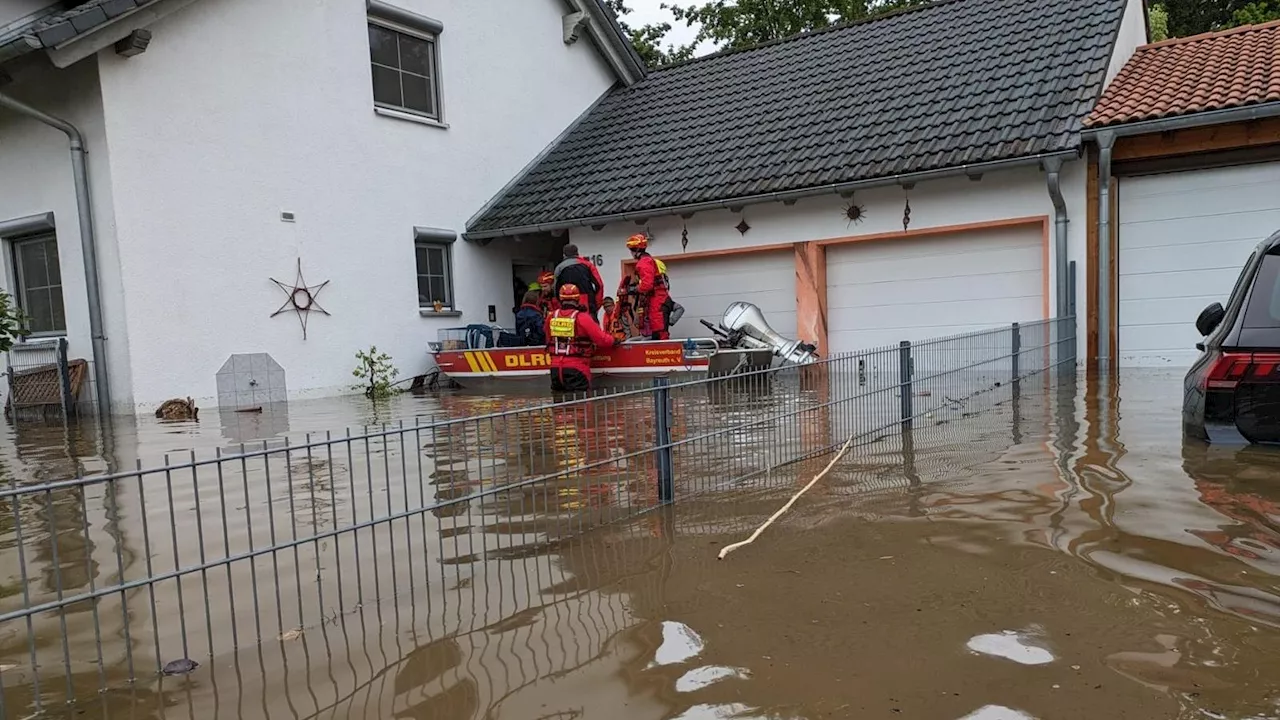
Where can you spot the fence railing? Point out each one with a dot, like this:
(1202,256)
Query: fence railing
(113,577)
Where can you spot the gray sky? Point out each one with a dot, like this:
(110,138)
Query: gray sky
(644,12)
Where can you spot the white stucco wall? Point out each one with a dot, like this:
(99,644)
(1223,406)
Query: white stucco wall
(1133,32)
(1000,195)
(36,177)
(240,109)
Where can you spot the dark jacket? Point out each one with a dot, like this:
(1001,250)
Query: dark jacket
(581,272)
(530,325)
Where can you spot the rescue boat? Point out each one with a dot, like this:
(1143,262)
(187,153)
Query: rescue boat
(479,356)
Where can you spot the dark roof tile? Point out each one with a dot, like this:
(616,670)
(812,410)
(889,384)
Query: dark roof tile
(942,85)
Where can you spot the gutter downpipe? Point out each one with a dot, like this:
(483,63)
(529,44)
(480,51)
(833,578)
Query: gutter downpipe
(88,243)
(1052,169)
(1106,141)
(786,196)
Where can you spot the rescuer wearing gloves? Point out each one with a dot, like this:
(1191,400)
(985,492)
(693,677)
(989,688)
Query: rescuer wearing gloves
(572,339)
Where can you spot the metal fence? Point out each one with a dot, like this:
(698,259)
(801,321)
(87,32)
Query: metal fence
(118,575)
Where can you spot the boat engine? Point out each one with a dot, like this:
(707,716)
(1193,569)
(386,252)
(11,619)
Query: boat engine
(744,326)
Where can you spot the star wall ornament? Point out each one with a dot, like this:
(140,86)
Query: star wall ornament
(300,298)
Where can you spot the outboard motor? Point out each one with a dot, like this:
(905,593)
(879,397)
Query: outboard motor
(745,320)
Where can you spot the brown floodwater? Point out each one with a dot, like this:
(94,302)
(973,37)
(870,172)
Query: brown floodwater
(1065,558)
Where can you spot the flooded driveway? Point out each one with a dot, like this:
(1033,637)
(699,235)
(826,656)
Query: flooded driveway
(1066,557)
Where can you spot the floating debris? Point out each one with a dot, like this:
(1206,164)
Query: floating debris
(699,678)
(179,667)
(679,643)
(1010,645)
(293,634)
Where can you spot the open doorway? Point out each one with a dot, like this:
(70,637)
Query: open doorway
(532,255)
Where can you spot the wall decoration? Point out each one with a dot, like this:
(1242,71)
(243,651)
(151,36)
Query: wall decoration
(853,212)
(300,298)
(906,211)
(742,227)
(684,238)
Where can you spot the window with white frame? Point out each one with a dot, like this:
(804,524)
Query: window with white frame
(433,249)
(39,283)
(405,65)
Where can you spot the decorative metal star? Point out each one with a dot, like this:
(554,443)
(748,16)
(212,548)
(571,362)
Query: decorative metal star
(301,298)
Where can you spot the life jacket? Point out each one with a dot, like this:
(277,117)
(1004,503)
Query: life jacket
(564,339)
(663,280)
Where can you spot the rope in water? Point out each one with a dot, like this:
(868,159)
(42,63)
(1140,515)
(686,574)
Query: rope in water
(730,548)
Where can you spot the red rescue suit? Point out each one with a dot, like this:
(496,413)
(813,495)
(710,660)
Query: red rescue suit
(572,339)
(653,295)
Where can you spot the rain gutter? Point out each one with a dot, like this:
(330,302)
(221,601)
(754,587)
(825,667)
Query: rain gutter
(1106,141)
(1183,122)
(88,243)
(786,196)
(1052,170)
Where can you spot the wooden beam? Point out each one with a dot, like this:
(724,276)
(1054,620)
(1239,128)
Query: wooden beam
(1188,141)
(811,294)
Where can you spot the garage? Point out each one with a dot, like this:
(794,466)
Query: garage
(885,291)
(705,287)
(1183,237)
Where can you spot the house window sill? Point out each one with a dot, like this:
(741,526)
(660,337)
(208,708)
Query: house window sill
(429,312)
(410,117)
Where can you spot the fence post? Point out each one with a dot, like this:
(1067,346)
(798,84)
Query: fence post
(904,380)
(1016,355)
(662,417)
(64,379)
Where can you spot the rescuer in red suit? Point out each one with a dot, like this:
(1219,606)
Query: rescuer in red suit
(651,289)
(572,339)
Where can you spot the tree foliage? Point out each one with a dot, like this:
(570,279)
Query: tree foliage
(376,371)
(1182,18)
(647,39)
(742,23)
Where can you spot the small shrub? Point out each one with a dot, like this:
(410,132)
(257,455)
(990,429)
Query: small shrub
(375,372)
(13,322)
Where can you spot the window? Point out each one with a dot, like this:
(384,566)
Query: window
(1264,302)
(404,69)
(435,276)
(39,277)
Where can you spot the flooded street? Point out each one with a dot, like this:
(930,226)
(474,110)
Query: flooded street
(1060,557)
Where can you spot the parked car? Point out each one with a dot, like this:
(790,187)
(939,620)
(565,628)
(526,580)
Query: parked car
(1232,392)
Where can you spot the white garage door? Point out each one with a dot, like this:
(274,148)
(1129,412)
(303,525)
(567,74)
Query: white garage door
(883,292)
(1183,238)
(706,287)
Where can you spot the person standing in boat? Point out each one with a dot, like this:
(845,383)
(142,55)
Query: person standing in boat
(547,301)
(531,321)
(651,290)
(572,339)
(579,271)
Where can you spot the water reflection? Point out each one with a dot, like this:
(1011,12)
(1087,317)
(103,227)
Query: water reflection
(1069,529)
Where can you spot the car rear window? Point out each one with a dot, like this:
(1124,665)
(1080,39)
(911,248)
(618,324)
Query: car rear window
(1264,302)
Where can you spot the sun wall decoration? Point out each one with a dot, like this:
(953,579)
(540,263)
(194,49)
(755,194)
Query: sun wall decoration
(300,298)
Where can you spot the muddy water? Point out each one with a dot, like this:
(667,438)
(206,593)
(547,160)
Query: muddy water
(1067,558)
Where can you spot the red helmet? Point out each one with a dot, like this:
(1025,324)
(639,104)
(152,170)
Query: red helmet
(569,292)
(546,278)
(639,241)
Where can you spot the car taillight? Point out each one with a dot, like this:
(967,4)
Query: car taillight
(1228,369)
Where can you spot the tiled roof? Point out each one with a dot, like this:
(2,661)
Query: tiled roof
(942,85)
(57,25)
(1214,71)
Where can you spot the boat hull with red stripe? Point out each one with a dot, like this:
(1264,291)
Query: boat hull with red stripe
(631,363)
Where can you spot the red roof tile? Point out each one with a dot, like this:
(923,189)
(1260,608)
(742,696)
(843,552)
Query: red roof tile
(1213,71)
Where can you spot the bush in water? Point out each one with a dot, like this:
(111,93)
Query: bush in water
(376,371)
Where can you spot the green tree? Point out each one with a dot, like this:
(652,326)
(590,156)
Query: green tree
(1158,23)
(374,368)
(647,39)
(1256,13)
(742,23)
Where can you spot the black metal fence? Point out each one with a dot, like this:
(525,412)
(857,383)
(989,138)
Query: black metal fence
(117,576)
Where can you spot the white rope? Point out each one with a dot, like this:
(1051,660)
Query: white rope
(730,548)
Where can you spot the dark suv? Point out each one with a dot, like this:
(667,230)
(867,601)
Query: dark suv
(1232,392)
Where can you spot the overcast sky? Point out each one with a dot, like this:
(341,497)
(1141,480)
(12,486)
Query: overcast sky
(644,12)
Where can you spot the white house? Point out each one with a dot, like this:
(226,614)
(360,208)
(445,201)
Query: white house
(782,174)
(231,141)
(412,151)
